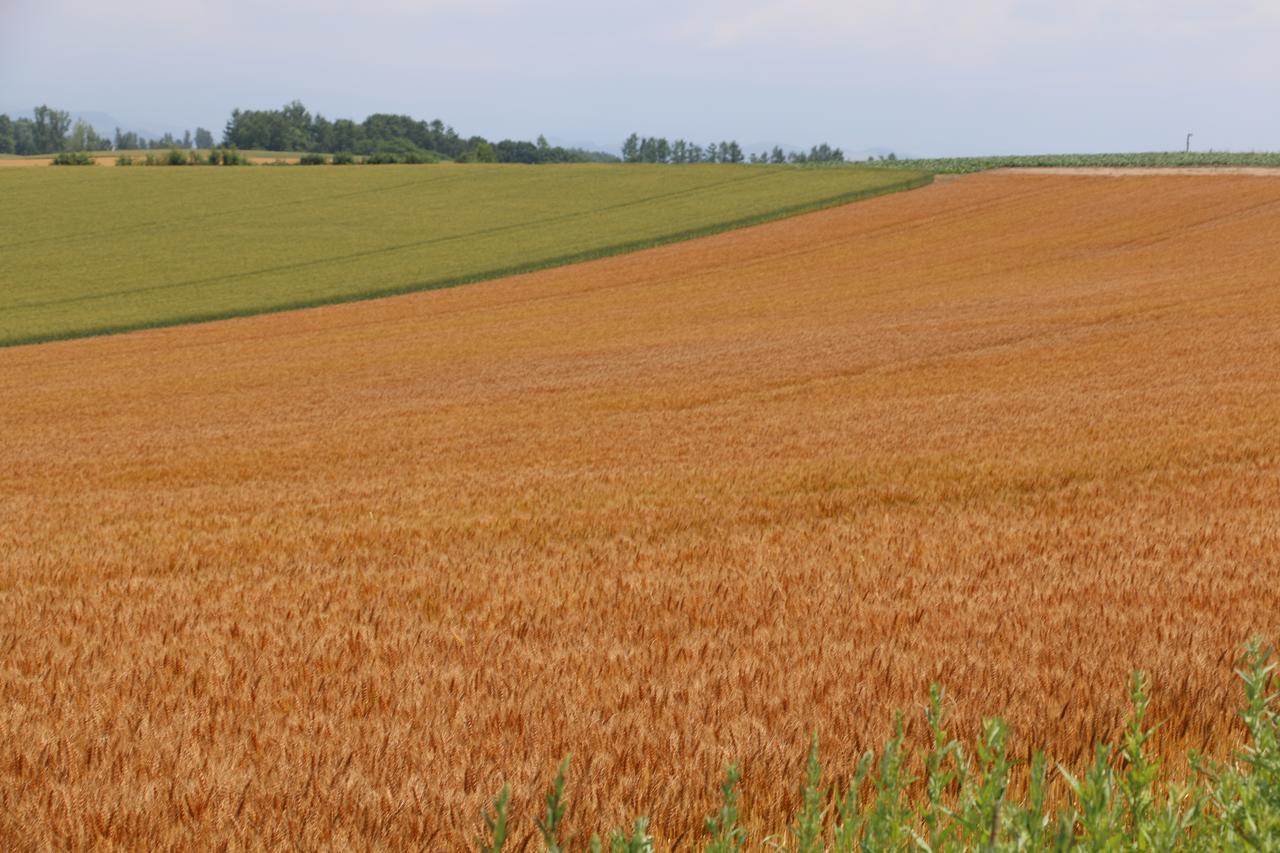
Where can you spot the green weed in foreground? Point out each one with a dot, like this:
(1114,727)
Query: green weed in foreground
(94,251)
(1119,803)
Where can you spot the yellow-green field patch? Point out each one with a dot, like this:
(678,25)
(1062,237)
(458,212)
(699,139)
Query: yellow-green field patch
(88,251)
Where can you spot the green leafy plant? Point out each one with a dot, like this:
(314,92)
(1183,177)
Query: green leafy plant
(726,835)
(549,824)
(808,827)
(496,824)
(1119,803)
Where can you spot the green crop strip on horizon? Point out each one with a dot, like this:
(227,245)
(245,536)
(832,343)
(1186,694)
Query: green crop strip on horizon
(97,251)
(1144,160)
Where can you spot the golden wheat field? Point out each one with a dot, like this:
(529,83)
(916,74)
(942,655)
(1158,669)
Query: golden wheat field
(330,578)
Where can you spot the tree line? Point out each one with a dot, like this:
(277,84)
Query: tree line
(130,141)
(657,149)
(382,137)
(50,131)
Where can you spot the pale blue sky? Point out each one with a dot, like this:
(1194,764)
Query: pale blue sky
(926,77)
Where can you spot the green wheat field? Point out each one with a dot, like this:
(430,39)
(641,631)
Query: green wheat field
(95,251)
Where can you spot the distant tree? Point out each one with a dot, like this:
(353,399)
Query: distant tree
(233,128)
(585,156)
(393,138)
(518,151)
(204,139)
(777,155)
(186,139)
(631,149)
(346,135)
(824,153)
(286,129)
(513,151)
(127,141)
(24,137)
(297,127)
(654,150)
(84,138)
(712,153)
(484,153)
(893,156)
(320,134)
(50,128)
(733,152)
(6,134)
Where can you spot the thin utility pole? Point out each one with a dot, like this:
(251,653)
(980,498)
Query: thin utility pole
(1189,143)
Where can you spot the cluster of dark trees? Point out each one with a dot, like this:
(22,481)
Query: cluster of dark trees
(656,149)
(294,128)
(645,149)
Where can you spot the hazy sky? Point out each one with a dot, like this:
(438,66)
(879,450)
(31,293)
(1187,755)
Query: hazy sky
(920,76)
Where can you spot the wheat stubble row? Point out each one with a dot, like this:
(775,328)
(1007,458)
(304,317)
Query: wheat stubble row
(330,578)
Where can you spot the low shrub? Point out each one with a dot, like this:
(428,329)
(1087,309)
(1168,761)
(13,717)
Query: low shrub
(343,158)
(174,157)
(948,798)
(73,158)
(313,160)
(228,156)
(124,160)
(401,151)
